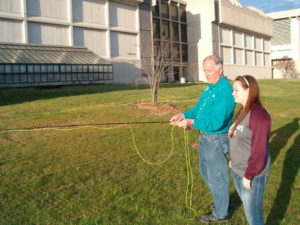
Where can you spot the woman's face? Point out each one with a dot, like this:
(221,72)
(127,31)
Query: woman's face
(239,93)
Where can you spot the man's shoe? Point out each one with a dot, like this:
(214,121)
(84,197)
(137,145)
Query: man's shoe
(210,218)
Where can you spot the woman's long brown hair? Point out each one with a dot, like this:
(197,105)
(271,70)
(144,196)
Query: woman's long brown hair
(250,82)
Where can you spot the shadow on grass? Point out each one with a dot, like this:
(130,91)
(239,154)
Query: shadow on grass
(16,96)
(290,169)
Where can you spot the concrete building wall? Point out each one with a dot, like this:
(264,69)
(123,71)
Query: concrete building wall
(286,40)
(216,28)
(200,16)
(121,31)
(108,28)
(13,30)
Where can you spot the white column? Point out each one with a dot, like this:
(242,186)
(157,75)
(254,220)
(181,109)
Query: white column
(25,24)
(70,20)
(107,23)
(295,38)
(138,44)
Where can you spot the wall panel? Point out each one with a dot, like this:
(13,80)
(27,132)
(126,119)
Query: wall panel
(39,33)
(95,40)
(13,31)
(122,15)
(123,45)
(11,6)
(91,11)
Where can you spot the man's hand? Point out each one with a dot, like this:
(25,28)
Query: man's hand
(186,124)
(246,183)
(175,119)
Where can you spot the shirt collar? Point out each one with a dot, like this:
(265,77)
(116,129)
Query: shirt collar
(218,83)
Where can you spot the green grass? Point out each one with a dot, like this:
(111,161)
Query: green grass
(94,176)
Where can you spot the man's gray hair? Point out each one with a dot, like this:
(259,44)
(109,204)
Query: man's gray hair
(216,59)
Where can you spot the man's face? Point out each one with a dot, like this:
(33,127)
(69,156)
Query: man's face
(212,72)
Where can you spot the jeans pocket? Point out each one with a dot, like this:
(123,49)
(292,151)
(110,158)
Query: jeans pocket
(225,145)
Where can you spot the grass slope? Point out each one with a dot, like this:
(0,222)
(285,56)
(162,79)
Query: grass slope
(94,176)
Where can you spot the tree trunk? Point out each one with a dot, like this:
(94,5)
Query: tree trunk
(154,95)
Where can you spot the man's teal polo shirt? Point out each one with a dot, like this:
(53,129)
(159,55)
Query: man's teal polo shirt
(214,110)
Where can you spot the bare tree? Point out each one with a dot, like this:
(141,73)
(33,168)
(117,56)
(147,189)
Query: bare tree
(156,69)
(287,68)
(194,71)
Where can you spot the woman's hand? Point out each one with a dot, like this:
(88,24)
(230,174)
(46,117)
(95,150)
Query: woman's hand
(246,183)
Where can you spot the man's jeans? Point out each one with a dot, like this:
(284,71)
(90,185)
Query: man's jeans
(214,170)
(252,199)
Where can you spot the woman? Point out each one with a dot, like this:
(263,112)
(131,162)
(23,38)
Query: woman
(249,147)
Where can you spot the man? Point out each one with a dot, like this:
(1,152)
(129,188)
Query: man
(212,117)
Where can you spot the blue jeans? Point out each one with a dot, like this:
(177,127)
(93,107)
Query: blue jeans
(252,199)
(213,149)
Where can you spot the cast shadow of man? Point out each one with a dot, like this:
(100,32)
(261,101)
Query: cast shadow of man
(290,169)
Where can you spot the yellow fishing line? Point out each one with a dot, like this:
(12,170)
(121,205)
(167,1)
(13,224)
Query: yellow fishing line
(190,183)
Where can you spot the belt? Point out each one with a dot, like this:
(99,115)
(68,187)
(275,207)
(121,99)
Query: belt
(200,132)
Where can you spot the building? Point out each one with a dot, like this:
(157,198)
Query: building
(285,49)
(109,29)
(241,36)
(197,28)
(123,33)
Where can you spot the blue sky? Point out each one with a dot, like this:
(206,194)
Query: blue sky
(272,5)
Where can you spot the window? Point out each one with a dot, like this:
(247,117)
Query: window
(238,56)
(155,10)
(238,39)
(226,54)
(176,73)
(176,53)
(175,33)
(249,58)
(183,33)
(165,30)
(174,11)
(164,9)
(156,29)
(182,13)
(184,50)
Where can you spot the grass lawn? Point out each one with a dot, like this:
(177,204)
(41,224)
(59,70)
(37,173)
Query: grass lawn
(93,175)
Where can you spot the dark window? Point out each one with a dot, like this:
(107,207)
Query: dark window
(16,69)
(23,68)
(1,68)
(176,73)
(50,68)
(37,68)
(164,9)
(155,10)
(175,33)
(183,33)
(182,13)
(156,30)
(165,30)
(174,11)
(176,53)
(156,47)
(184,50)
(43,68)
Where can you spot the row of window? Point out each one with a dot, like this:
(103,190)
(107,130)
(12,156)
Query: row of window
(245,57)
(44,78)
(169,11)
(168,30)
(53,68)
(229,37)
(178,52)
(170,27)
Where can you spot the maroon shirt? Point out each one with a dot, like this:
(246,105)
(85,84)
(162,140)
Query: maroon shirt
(249,147)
